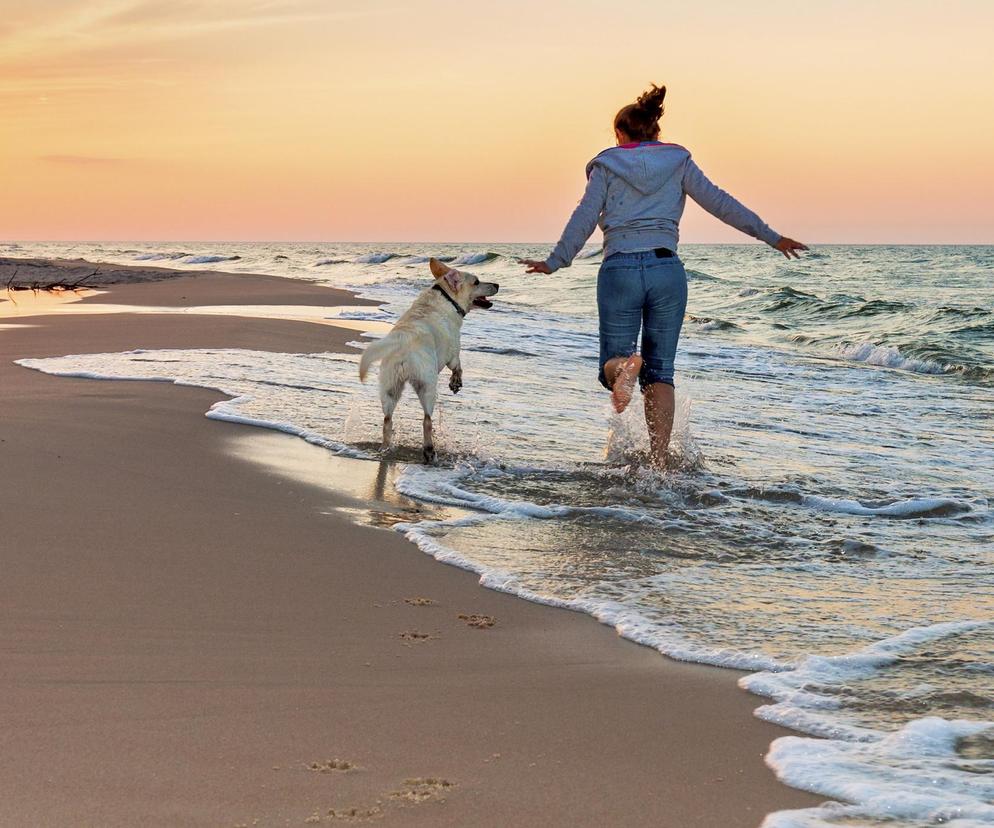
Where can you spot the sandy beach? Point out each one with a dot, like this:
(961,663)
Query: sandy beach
(207,624)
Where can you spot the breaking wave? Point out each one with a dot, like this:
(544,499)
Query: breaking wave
(706,323)
(887,356)
(374,258)
(210,259)
(475,258)
(160,257)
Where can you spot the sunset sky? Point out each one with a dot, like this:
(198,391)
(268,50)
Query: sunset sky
(456,120)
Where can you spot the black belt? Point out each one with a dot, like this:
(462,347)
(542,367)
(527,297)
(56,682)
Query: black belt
(664,253)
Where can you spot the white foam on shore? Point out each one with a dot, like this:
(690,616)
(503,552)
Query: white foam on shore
(227,411)
(800,706)
(913,773)
(435,485)
(912,776)
(628,622)
(910,508)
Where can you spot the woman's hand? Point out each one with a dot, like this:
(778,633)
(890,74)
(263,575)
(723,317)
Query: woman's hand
(535,266)
(789,247)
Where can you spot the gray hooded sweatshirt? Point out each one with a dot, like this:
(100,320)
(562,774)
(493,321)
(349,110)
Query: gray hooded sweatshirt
(637,192)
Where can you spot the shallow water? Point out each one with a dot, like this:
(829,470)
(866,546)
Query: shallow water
(831,527)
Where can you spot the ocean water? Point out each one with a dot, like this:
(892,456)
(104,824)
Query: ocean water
(829,530)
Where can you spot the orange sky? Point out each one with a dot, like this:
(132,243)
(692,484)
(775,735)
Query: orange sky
(442,120)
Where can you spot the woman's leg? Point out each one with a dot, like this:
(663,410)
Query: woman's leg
(659,419)
(620,297)
(666,302)
(621,374)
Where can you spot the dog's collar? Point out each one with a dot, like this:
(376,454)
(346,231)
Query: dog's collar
(452,301)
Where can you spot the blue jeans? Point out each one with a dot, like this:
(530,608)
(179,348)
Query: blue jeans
(639,291)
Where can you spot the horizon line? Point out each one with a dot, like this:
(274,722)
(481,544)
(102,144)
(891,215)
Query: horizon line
(749,243)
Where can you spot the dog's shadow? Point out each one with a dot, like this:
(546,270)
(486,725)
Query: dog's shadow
(395,454)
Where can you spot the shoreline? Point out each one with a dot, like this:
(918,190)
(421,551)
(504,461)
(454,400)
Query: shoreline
(231,651)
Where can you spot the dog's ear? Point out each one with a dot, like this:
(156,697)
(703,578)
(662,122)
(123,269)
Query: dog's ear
(438,269)
(452,277)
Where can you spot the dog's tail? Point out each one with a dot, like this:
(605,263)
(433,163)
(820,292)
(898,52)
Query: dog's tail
(375,351)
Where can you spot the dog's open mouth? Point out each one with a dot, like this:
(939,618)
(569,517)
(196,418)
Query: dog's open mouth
(482,302)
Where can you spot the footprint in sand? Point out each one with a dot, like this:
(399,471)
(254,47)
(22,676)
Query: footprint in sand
(423,789)
(355,814)
(481,622)
(329,765)
(414,635)
(419,601)
(414,791)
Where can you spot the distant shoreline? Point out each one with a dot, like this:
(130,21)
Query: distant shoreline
(42,273)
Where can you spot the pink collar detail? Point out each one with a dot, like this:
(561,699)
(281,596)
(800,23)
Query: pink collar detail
(638,144)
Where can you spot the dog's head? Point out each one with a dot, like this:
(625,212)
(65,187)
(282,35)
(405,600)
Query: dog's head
(465,288)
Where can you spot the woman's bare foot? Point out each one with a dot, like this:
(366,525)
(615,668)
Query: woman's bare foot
(624,382)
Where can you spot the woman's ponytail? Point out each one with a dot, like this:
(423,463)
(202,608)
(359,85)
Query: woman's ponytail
(640,120)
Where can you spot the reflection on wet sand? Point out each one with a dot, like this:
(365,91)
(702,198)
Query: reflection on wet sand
(361,488)
(18,304)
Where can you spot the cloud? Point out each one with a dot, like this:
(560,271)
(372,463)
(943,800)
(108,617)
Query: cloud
(75,26)
(81,160)
(193,15)
(83,45)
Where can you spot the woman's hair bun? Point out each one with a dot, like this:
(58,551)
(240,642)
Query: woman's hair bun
(640,120)
(651,101)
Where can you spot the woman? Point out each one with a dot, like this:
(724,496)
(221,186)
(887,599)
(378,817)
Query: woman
(636,191)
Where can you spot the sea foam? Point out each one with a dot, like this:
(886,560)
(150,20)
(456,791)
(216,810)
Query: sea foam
(887,356)
(914,773)
(913,776)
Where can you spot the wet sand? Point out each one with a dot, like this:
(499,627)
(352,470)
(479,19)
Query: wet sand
(207,624)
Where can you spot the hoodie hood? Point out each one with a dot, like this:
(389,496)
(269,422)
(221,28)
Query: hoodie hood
(646,167)
(637,192)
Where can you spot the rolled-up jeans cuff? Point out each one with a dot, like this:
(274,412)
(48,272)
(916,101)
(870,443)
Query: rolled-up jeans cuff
(649,376)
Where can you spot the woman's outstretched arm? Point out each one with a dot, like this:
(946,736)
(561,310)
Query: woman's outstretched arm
(578,228)
(733,212)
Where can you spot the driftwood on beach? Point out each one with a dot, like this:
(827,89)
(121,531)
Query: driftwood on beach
(15,283)
(73,274)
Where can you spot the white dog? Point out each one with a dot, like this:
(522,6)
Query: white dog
(425,339)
